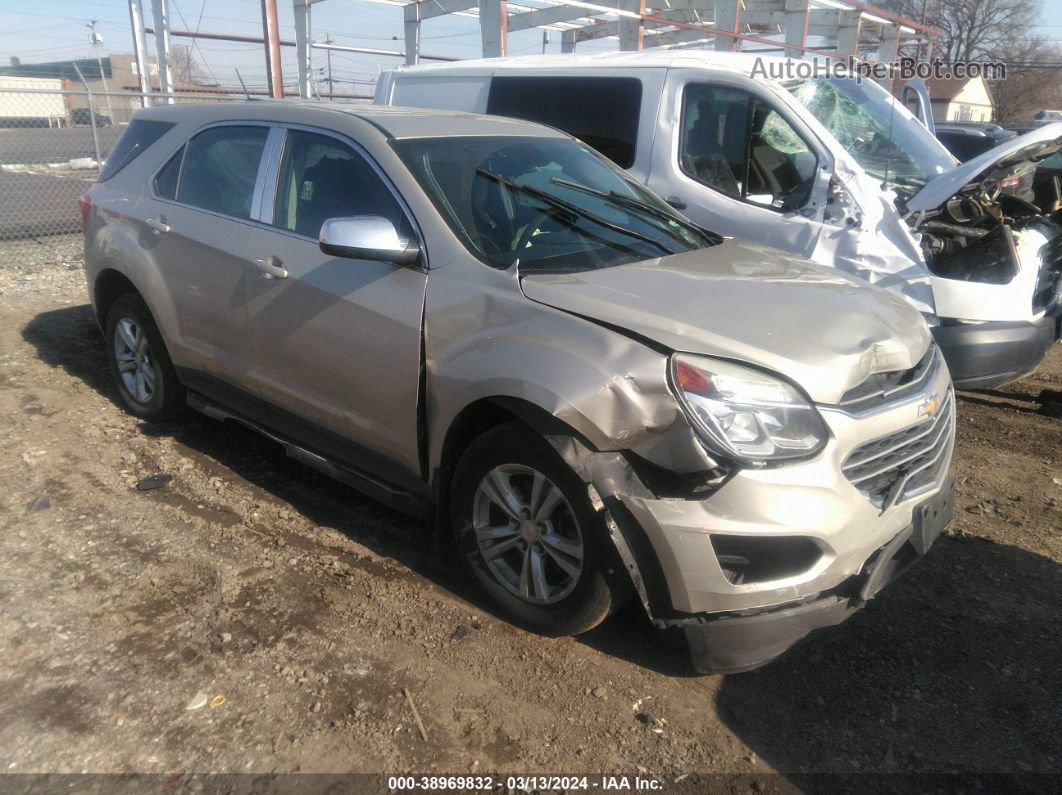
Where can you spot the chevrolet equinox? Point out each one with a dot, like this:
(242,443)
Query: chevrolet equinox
(483,322)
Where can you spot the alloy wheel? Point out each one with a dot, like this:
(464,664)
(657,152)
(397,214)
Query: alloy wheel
(135,365)
(527,534)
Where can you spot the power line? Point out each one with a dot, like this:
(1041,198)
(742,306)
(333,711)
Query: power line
(195,41)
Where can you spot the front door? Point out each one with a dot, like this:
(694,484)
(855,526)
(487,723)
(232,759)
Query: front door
(337,341)
(736,165)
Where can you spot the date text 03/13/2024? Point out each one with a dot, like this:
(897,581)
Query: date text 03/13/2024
(529,783)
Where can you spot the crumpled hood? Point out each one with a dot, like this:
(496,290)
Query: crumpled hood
(1009,158)
(750,303)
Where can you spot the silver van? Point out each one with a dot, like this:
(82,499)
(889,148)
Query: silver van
(827,167)
(484,322)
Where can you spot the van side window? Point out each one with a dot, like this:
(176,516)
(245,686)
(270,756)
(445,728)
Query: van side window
(322,178)
(166,179)
(740,146)
(220,169)
(602,112)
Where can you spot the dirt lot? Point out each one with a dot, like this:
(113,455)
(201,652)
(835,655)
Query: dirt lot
(299,610)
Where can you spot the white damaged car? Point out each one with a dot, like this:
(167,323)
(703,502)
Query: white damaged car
(828,167)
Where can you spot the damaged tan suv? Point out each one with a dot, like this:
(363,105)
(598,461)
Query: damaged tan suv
(482,321)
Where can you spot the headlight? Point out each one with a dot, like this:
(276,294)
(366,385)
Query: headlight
(746,414)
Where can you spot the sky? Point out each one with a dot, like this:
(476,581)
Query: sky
(48,30)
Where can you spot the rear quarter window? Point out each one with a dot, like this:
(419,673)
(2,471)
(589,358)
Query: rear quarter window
(166,179)
(602,112)
(138,136)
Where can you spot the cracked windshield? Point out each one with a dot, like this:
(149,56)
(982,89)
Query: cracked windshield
(890,144)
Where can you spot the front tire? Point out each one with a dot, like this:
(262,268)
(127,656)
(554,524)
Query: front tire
(524,524)
(140,366)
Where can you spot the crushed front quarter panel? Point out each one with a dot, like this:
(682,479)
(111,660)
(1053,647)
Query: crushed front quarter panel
(484,340)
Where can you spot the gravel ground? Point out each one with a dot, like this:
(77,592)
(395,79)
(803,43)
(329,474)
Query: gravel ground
(252,616)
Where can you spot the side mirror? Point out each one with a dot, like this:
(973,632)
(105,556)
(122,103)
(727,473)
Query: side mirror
(367,237)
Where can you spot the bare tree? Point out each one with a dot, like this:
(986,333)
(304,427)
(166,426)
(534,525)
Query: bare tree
(996,30)
(1034,81)
(186,69)
(970,29)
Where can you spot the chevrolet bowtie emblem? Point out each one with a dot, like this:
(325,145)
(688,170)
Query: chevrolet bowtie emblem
(929,407)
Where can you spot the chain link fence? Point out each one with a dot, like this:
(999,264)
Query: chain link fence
(52,143)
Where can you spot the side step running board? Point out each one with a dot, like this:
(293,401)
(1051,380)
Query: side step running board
(399,499)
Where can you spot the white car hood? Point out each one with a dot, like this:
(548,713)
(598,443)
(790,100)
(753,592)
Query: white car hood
(1009,157)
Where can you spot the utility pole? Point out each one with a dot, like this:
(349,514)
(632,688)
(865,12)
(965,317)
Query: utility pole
(136,22)
(96,39)
(160,13)
(271,34)
(328,40)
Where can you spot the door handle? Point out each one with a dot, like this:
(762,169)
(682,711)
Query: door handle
(676,202)
(271,268)
(158,225)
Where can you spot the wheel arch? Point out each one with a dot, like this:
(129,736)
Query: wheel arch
(110,284)
(591,464)
(470,423)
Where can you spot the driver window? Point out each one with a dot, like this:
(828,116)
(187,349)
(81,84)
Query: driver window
(740,146)
(322,178)
(714,131)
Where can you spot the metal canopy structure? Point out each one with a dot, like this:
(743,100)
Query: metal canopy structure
(832,28)
(849,27)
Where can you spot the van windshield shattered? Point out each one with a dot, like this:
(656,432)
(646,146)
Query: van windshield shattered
(890,145)
(545,203)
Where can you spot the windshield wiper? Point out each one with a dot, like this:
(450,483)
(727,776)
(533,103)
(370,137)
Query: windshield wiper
(572,209)
(630,203)
(896,179)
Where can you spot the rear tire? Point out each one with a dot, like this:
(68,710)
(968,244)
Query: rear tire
(140,365)
(523,523)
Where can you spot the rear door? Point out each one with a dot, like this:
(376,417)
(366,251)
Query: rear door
(197,222)
(337,341)
(737,164)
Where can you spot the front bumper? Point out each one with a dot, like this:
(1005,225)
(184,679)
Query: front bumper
(775,552)
(984,355)
(735,643)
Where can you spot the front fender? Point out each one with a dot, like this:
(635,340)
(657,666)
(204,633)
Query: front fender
(484,339)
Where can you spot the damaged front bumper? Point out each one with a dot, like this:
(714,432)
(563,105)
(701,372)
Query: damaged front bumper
(770,554)
(741,642)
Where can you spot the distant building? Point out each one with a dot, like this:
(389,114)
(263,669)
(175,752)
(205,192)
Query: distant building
(34,108)
(961,100)
(119,73)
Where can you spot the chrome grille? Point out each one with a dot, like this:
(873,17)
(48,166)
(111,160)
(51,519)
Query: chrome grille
(906,463)
(881,388)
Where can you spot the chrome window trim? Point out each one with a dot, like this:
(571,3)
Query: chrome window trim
(268,207)
(266,182)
